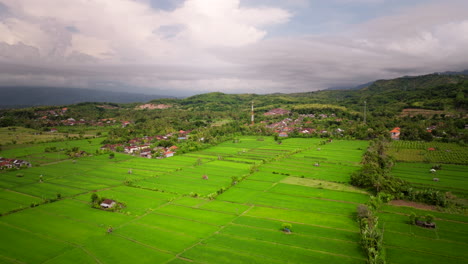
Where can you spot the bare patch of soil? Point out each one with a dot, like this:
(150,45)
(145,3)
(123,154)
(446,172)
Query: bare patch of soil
(153,106)
(413,204)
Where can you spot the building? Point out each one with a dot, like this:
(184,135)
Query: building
(168,154)
(107,203)
(395,133)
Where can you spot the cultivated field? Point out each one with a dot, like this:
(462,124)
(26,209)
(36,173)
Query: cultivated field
(21,135)
(446,243)
(405,243)
(430,152)
(168,217)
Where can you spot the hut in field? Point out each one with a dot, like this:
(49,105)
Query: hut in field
(107,203)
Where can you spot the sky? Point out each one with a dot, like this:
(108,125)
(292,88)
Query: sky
(186,47)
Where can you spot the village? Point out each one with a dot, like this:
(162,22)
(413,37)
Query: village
(288,125)
(144,147)
(6,163)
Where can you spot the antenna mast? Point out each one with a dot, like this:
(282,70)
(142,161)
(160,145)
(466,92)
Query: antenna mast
(252,117)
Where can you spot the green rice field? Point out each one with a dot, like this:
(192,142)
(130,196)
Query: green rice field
(173,215)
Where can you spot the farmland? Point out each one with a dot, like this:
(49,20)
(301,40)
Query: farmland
(416,159)
(21,135)
(168,216)
(406,243)
(430,152)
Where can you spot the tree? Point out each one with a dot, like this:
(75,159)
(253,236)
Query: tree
(94,198)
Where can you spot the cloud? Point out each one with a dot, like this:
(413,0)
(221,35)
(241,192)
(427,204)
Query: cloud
(213,45)
(418,40)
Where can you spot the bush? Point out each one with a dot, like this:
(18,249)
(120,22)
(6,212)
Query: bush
(429,219)
(363,211)
(286,227)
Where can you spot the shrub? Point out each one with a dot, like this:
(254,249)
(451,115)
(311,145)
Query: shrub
(363,211)
(286,227)
(429,218)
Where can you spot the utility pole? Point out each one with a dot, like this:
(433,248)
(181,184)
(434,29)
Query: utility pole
(365,106)
(252,117)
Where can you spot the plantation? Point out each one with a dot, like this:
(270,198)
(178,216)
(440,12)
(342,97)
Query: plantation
(430,152)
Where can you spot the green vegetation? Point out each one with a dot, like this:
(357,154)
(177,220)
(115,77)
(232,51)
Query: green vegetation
(161,220)
(282,190)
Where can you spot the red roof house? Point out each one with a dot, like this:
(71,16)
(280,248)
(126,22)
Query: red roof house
(395,133)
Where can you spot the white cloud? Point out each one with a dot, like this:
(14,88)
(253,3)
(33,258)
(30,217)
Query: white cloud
(220,45)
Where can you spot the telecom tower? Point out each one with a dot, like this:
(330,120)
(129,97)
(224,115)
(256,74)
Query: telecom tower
(252,118)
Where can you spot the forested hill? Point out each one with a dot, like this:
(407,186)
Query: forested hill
(16,97)
(447,92)
(383,97)
(433,91)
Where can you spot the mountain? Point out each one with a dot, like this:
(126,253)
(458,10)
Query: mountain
(16,97)
(465,72)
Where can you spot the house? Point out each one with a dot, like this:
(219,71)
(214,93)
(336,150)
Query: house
(283,134)
(13,163)
(168,154)
(107,203)
(183,135)
(53,130)
(395,133)
(146,154)
(6,165)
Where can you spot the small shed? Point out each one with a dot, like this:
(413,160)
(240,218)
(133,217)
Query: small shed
(107,203)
